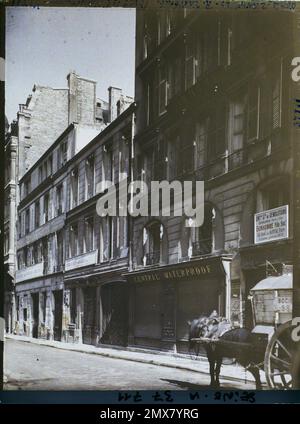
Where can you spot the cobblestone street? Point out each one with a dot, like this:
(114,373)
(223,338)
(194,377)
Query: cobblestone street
(33,367)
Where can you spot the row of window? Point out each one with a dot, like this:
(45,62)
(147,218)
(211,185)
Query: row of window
(182,66)
(109,238)
(228,129)
(53,203)
(178,70)
(207,238)
(47,207)
(159,25)
(45,169)
(199,241)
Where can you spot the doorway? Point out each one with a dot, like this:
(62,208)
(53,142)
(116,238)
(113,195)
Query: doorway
(114,299)
(89,333)
(35,315)
(58,306)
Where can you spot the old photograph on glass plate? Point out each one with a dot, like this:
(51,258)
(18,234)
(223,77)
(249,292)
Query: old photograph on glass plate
(152,197)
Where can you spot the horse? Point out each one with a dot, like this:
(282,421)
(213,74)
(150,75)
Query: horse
(215,327)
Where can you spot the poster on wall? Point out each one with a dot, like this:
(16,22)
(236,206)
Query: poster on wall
(271,225)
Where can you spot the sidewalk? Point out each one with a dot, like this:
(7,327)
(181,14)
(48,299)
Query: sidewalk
(166,359)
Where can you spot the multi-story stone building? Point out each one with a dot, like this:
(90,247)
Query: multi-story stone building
(40,121)
(97,248)
(60,236)
(214,98)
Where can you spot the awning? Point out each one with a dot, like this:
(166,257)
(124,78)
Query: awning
(281,282)
(198,269)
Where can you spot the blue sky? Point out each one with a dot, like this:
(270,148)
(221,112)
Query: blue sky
(44,44)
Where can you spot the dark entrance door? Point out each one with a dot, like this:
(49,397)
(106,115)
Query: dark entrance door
(35,314)
(58,306)
(89,331)
(115,314)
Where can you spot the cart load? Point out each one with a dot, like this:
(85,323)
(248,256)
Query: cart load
(272,302)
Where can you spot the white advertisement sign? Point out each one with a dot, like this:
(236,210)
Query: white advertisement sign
(271,225)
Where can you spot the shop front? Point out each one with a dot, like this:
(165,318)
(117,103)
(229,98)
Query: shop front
(163,300)
(41,308)
(98,310)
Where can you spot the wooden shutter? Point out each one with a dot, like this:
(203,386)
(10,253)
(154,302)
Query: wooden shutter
(31,215)
(199,159)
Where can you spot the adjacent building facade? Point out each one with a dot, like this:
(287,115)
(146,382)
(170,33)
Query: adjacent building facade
(214,98)
(47,192)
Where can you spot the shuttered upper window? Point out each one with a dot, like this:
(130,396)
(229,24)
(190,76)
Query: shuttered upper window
(253,113)
(276,99)
(162,90)
(276,105)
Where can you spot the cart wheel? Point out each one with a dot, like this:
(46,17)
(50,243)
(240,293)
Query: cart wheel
(279,357)
(296,369)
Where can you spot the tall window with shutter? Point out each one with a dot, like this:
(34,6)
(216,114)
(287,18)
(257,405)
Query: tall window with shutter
(237,122)
(177,76)
(101,243)
(37,213)
(253,113)
(159,160)
(186,148)
(74,187)
(73,240)
(145,45)
(190,63)
(276,100)
(35,253)
(200,144)
(59,199)
(50,253)
(50,165)
(45,254)
(64,152)
(172,158)
(111,236)
(46,207)
(216,138)
(90,176)
(60,250)
(148,104)
(27,221)
(89,234)
(164,25)
(162,89)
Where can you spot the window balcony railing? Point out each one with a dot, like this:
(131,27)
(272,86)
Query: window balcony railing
(202,247)
(153,258)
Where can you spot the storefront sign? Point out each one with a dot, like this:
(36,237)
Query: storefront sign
(179,273)
(271,225)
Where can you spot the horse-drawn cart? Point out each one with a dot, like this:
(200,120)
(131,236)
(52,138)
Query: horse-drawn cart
(269,346)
